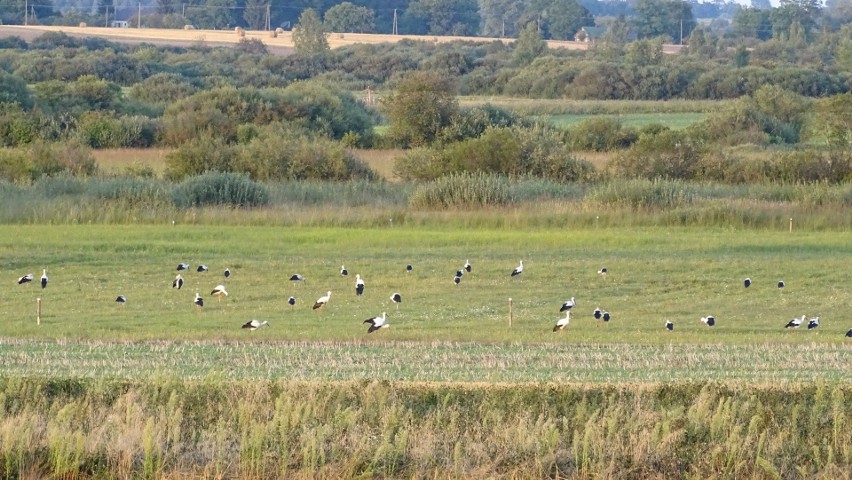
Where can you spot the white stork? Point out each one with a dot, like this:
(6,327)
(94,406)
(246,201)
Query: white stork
(183,266)
(602,271)
(199,302)
(121,299)
(518,270)
(201,268)
(457,280)
(178,282)
(227,272)
(605,316)
(795,323)
(255,324)
(467,266)
(597,313)
(813,323)
(343,270)
(669,326)
(377,323)
(219,292)
(747,282)
(780,283)
(322,301)
(397,299)
(26,279)
(291,301)
(44,278)
(568,305)
(409,268)
(296,278)
(562,322)
(849,333)
(359,285)
(709,320)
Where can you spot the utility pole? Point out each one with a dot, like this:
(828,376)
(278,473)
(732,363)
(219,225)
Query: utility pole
(26,12)
(681,31)
(106,17)
(268,18)
(503,29)
(139,16)
(395,31)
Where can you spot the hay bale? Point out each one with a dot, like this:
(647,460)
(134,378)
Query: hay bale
(279,30)
(83,25)
(189,27)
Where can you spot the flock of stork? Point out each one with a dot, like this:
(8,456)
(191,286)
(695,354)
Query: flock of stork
(380,322)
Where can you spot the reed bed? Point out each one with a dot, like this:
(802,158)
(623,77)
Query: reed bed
(487,199)
(214,428)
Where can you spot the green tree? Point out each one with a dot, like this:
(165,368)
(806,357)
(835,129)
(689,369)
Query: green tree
(309,34)
(254,13)
(785,17)
(565,17)
(444,17)
(833,119)
(13,90)
(671,18)
(347,17)
(499,17)
(611,45)
(752,23)
(423,104)
(529,46)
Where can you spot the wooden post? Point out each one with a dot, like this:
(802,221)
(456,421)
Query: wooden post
(510,313)
(791,224)
(38,311)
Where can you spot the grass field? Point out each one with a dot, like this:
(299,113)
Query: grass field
(675,121)
(654,275)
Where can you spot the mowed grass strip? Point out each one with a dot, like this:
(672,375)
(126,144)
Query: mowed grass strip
(655,275)
(429,362)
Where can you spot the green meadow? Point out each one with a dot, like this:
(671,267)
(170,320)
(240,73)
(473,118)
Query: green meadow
(655,274)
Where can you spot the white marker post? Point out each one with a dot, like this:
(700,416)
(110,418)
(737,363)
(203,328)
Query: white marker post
(510,313)
(38,311)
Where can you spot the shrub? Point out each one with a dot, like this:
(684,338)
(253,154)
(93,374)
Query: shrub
(601,134)
(197,156)
(14,165)
(466,190)
(218,188)
(644,194)
(668,154)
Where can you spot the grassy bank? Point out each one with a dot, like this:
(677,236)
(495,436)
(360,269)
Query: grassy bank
(284,429)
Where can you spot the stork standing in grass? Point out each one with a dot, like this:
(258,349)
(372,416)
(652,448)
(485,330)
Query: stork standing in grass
(359,285)
(669,326)
(597,313)
(182,266)
(467,266)
(322,301)
(747,282)
(219,292)
(44,278)
(178,282)
(121,299)
(377,323)
(343,271)
(709,320)
(201,268)
(562,322)
(199,302)
(291,301)
(397,299)
(518,270)
(813,323)
(567,305)
(296,278)
(26,279)
(227,272)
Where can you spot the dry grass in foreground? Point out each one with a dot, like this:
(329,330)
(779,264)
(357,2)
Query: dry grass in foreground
(161,428)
